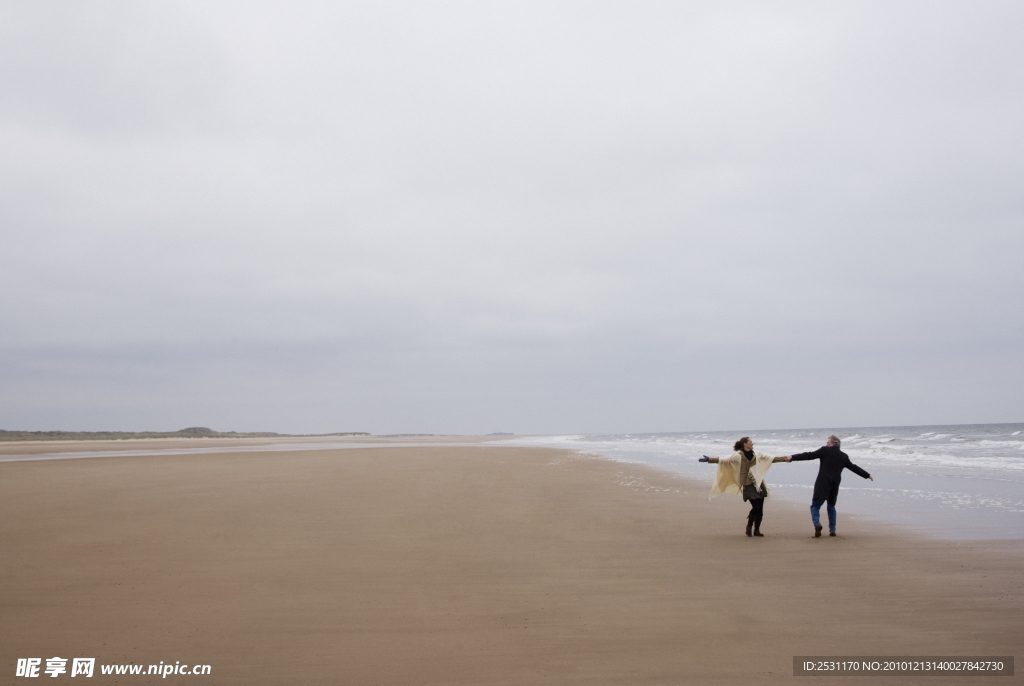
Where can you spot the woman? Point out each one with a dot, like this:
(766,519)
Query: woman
(743,472)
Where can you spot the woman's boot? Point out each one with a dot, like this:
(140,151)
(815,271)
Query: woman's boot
(757,525)
(750,523)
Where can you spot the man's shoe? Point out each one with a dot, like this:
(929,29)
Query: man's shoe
(757,527)
(750,524)
(831,533)
(817,530)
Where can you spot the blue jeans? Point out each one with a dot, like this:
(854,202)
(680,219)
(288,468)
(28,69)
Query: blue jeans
(815,514)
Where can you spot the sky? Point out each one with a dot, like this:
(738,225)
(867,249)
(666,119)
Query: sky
(529,217)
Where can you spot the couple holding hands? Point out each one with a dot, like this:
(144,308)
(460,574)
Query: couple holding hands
(744,470)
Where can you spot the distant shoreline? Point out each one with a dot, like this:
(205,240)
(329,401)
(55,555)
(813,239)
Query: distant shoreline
(191,432)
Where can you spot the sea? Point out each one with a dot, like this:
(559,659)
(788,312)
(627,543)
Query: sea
(953,481)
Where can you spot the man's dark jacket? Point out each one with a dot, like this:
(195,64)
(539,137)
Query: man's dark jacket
(830,469)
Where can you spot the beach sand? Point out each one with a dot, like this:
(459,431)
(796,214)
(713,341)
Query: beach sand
(466,565)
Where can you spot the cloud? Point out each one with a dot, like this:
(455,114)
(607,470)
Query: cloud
(599,199)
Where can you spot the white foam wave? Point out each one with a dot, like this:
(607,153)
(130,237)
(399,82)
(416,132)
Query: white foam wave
(1001,444)
(974,474)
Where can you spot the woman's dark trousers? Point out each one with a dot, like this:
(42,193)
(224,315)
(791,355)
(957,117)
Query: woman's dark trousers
(755,516)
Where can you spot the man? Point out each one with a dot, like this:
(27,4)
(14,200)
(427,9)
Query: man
(832,462)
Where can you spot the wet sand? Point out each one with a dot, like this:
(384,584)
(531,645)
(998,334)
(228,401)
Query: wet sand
(466,565)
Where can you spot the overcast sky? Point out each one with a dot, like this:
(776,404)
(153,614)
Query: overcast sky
(531,217)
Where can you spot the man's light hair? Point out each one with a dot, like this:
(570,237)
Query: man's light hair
(834,440)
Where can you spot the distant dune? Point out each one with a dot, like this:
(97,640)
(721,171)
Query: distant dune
(191,432)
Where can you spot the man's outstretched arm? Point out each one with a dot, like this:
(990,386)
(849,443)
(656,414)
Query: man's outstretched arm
(813,455)
(858,471)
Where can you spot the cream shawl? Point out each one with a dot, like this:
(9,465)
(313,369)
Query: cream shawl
(727,480)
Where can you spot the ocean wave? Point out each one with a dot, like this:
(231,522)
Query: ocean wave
(1001,444)
(962,449)
(923,476)
(945,460)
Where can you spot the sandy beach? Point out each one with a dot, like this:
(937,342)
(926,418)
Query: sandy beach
(466,565)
